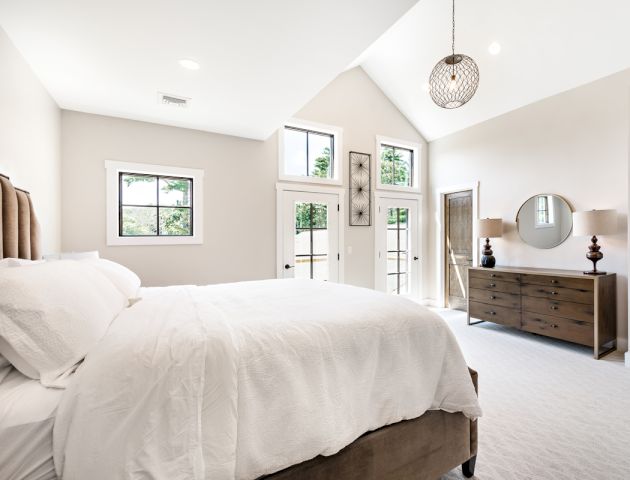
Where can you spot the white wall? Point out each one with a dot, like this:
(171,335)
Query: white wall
(574,144)
(240,179)
(30,123)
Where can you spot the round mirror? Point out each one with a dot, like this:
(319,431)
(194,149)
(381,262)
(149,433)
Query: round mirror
(544,221)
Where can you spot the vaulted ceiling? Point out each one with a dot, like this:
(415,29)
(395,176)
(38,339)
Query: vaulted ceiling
(260,60)
(547,47)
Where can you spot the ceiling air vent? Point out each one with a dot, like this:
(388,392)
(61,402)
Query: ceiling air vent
(173,100)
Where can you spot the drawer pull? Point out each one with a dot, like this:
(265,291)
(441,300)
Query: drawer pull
(492,297)
(491,312)
(554,281)
(554,307)
(553,325)
(554,292)
(492,275)
(493,285)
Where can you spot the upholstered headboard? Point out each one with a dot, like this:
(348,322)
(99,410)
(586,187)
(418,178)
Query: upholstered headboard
(19,229)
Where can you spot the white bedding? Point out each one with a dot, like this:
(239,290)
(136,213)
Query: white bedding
(27,413)
(240,380)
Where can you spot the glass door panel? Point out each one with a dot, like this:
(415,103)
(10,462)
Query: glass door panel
(311,240)
(397,254)
(310,225)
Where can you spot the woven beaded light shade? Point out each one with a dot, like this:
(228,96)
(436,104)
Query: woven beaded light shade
(455,78)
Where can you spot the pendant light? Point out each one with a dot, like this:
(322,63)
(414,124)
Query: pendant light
(455,78)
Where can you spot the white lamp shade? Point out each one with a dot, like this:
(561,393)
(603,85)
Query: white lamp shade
(595,222)
(489,227)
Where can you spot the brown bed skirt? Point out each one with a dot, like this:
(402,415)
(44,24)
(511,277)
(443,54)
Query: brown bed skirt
(420,449)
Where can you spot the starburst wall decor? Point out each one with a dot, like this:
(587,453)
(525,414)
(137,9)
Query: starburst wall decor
(360,189)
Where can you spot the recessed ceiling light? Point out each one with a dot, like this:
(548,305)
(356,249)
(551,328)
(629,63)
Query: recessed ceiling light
(189,64)
(494,48)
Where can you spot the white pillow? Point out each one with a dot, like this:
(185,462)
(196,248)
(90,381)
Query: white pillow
(78,255)
(18,262)
(52,315)
(123,279)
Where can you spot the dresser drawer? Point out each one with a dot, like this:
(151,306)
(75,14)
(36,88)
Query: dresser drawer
(494,313)
(558,293)
(510,300)
(489,274)
(565,282)
(496,285)
(563,328)
(577,311)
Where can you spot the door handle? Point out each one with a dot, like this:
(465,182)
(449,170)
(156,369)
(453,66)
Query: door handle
(415,258)
(287,266)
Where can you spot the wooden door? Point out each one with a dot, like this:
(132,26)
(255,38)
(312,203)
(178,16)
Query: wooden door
(458,248)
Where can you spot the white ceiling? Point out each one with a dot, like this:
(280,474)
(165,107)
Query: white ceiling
(261,60)
(548,46)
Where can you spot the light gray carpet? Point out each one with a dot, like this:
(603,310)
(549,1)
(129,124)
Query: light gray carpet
(550,410)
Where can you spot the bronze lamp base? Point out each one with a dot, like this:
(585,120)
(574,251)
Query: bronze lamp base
(594,255)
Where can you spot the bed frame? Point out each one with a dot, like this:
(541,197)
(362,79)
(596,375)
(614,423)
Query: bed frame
(420,449)
(424,448)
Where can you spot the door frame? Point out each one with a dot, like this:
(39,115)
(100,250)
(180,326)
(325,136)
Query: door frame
(281,188)
(382,194)
(441,234)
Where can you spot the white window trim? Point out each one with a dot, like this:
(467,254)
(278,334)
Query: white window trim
(340,192)
(113,168)
(337,132)
(417,166)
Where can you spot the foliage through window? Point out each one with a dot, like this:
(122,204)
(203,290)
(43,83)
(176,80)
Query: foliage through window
(155,205)
(396,166)
(308,153)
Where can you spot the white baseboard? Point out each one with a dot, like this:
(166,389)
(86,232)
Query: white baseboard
(628,359)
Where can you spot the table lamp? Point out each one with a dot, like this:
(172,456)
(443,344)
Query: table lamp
(594,222)
(489,228)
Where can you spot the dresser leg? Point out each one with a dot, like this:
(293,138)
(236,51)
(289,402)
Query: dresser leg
(468,467)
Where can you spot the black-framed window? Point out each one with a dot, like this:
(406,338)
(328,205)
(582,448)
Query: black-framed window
(154,205)
(308,153)
(311,240)
(397,250)
(397,166)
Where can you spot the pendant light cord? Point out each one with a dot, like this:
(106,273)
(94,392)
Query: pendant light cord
(453,44)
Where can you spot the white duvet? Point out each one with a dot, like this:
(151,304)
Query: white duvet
(241,380)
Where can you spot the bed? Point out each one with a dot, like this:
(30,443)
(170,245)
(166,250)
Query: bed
(274,380)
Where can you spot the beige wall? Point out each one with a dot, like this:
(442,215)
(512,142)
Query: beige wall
(239,188)
(30,124)
(574,144)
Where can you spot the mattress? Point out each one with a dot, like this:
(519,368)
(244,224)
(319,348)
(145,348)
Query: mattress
(27,414)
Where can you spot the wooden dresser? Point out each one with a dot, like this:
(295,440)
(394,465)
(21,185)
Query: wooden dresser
(563,304)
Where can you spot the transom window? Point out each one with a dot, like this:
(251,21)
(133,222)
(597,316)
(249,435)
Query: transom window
(397,165)
(155,205)
(397,251)
(310,153)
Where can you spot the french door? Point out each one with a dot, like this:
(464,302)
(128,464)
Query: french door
(310,236)
(397,268)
